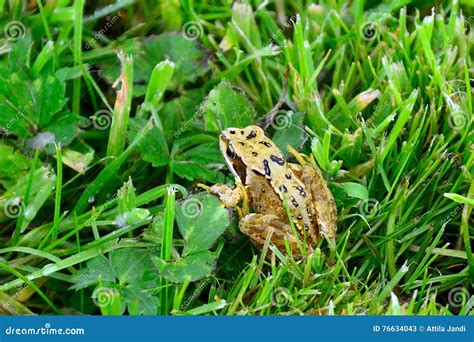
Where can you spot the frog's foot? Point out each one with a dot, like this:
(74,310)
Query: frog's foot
(258,227)
(231,197)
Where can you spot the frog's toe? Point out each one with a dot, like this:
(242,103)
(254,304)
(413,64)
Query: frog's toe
(229,197)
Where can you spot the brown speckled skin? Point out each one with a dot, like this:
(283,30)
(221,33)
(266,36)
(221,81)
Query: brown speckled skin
(267,179)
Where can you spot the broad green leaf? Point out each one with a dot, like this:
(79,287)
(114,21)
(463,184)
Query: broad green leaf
(192,267)
(32,105)
(289,130)
(140,301)
(98,268)
(181,114)
(202,162)
(355,190)
(152,147)
(130,265)
(227,106)
(201,220)
(13,165)
(124,266)
(190,60)
(155,232)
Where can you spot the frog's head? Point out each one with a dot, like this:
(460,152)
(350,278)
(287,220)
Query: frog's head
(247,147)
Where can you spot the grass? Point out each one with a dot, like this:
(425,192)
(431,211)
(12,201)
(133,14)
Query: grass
(111,118)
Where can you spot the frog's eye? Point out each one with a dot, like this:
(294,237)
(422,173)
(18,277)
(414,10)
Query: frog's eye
(230,152)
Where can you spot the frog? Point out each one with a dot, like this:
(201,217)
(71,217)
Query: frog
(276,190)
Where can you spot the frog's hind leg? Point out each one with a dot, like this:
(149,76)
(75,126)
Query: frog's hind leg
(257,227)
(323,200)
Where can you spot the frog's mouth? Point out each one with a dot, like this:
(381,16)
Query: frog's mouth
(233,161)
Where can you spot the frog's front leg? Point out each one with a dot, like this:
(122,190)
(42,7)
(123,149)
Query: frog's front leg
(257,227)
(231,197)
